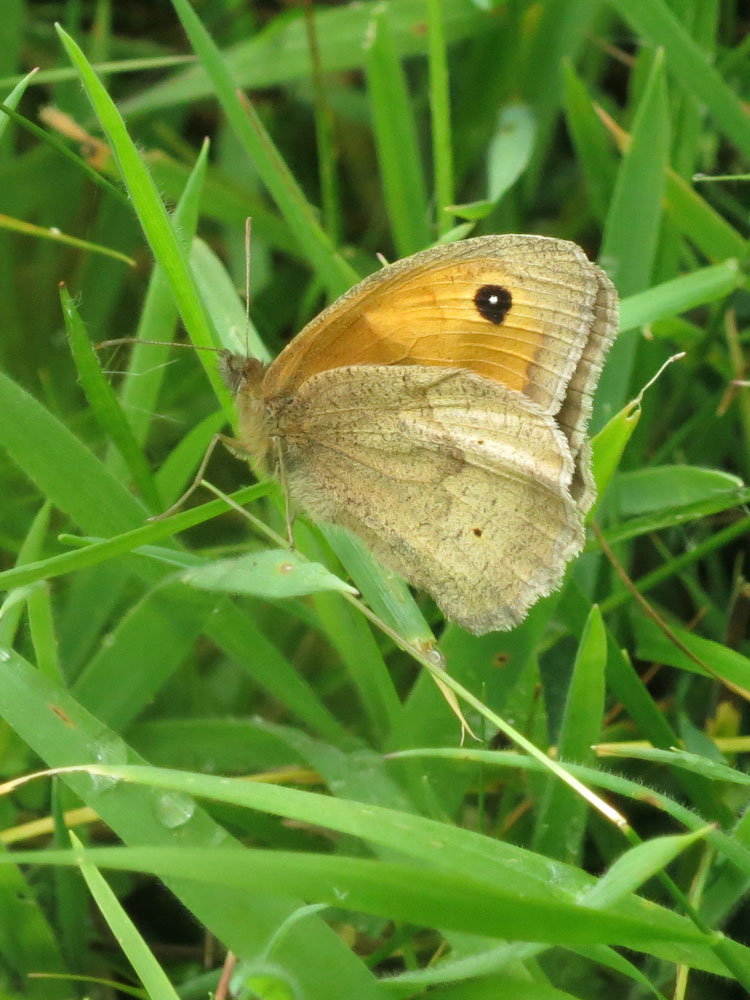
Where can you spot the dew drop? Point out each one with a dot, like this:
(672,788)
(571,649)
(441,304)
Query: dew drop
(109,750)
(174,809)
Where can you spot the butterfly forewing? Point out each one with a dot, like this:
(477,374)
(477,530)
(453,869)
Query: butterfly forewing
(429,310)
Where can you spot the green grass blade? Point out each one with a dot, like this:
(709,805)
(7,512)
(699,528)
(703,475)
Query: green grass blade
(726,664)
(592,147)
(639,864)
(412,892)
(396,142)
(281,53)
(237,634)
(12,608)
(333,271)
(510,150)
(632,229)
(312,952)
(104,403)
(152,214)
(272,573)
(54,236)
(11,101)
(42,630)
(680,294)
(58,463)
(142,383)
(124,930)
(442,151)
(561,819)
(330,194)
(386,593)
(689,64)
(53,142)
(96,551)
(224,304)
(28,943)
(701,223)
(144,651)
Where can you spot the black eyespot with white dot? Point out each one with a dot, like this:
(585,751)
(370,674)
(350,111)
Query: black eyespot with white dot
(493,303)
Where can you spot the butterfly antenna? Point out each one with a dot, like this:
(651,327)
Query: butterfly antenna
(118,341)
(248,231)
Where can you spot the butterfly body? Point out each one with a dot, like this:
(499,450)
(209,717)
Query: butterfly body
(438,410)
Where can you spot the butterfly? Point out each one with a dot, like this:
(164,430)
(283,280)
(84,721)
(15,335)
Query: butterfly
(438,410)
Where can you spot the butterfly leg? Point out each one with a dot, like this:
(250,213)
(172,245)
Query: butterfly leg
(231,444)
(288,515)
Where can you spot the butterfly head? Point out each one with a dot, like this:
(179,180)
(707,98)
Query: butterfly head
(244,377)
(241,374)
